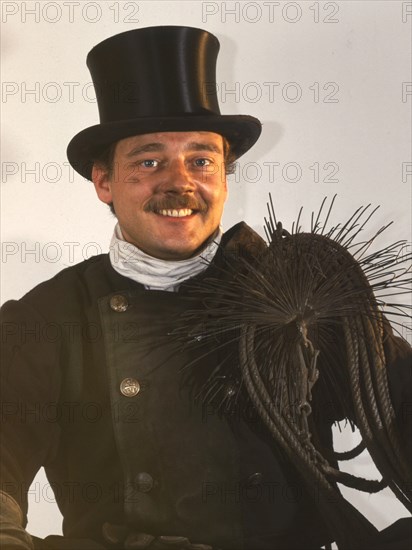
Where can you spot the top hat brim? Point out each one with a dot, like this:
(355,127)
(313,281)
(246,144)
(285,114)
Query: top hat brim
(241,131)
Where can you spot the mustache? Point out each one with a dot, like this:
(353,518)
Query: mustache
(175,203)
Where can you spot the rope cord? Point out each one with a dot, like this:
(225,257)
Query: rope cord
(306,458)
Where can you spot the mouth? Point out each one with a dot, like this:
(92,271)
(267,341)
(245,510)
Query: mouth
(176,213)
(177,207)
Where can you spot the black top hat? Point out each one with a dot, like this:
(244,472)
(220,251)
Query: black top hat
(157,79)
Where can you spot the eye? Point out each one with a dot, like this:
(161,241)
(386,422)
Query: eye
(203,162)
(149,163)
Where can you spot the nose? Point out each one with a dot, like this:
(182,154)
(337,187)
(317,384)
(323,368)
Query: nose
(177,178)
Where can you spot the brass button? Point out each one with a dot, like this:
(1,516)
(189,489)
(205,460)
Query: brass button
(144,482)
(255,479)
(118,303)
(129,387)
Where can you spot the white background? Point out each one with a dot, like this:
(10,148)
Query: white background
(329,81)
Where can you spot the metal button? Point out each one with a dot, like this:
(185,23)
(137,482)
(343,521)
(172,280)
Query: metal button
(255,479)
(230,389)
(119,303)
(144,482)
(129,387)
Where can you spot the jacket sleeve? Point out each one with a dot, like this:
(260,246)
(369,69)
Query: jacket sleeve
(12,534)
(30,383)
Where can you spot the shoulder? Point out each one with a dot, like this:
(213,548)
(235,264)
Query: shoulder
(72,288)
(71,278)
(241,241)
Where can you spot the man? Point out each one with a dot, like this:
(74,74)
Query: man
(151,470)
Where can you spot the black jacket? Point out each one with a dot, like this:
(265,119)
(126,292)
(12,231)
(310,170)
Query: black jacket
(157,461)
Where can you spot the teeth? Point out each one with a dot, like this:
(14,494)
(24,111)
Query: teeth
(176,213)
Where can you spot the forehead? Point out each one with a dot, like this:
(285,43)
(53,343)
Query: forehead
(172,141)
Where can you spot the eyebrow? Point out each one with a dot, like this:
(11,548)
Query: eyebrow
(158,147)
(147,148)
(201,146)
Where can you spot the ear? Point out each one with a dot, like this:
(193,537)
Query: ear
(102,183)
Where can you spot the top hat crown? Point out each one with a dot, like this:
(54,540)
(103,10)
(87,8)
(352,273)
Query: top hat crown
(157,79)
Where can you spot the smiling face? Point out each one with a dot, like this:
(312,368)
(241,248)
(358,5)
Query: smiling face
(168,190)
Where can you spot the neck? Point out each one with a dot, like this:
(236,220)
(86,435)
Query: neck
(155,273)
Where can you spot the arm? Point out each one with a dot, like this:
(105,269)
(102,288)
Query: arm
(28,439)
(12,534)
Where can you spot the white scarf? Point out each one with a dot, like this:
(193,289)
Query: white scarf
(153,273)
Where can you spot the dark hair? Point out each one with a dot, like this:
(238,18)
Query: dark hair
(105,160)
